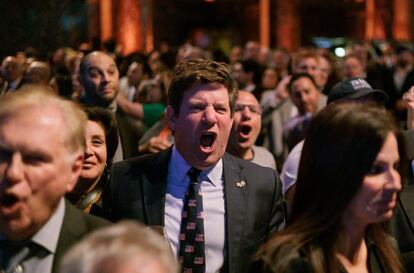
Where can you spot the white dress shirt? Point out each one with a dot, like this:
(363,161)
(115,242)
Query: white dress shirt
(213,208)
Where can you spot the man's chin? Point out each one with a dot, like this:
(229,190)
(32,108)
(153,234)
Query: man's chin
(106,100)
(205,161)
(15,229)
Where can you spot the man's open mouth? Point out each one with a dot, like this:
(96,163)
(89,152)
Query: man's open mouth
(207,139)
(245,130)
(8,200)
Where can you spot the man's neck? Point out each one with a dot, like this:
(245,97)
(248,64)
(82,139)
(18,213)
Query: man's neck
(246,154)
(95,101)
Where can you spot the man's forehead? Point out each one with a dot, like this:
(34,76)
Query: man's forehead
(246,98)
(44,119)
(33,113)
(206,87)
(99,59)
(309,61)
(302,81)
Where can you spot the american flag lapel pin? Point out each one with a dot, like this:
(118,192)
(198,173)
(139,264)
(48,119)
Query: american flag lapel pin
(241,184)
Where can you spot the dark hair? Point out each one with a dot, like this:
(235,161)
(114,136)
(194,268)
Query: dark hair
(340,148)
(107,119)
(302,55)
(200,71)
(354,56)
(297,76)
(254,67)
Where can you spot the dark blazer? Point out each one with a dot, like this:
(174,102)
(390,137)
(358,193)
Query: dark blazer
(301,264)
(402,223)
(137,190)
(76,224)
(402,226)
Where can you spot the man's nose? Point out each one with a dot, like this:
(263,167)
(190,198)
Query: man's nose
(209,115)
(246,112)
(105,77)
(14,168)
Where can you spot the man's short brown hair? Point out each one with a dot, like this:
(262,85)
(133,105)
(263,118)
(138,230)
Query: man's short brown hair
(200,71)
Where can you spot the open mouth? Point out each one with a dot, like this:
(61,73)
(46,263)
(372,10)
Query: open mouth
(8,200)
(207,139)
(245,130)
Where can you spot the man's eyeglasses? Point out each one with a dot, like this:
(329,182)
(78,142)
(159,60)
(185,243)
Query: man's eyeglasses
(255,109)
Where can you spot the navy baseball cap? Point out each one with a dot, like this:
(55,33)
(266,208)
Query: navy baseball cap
(355,88)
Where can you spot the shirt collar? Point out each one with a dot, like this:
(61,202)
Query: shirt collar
(48,235)
(179,168)
(14,83)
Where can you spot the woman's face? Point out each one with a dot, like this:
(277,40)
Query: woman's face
(377,197)
(95,152)
(269,79)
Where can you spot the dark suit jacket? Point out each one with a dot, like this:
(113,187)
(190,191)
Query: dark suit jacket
(402,223)
(76,224)
(301,263)
(402,226)
(137,190)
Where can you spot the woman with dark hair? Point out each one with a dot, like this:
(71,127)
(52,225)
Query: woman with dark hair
(101,143)
(346,189)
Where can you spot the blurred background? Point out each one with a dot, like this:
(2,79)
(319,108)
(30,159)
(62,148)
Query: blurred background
(144,25)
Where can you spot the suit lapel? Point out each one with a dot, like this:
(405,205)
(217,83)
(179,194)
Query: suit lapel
(71,231)
(407,197)
(235,197)
(154,187)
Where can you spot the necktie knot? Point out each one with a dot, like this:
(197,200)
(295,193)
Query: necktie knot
(193,173)
(14,253)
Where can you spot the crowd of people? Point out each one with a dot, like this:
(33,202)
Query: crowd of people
(189,144)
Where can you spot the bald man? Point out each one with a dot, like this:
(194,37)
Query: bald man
(38,73)
(99,77)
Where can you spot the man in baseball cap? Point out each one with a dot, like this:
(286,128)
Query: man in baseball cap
(356,89)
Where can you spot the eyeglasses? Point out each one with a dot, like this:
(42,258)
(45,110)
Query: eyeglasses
(255,109)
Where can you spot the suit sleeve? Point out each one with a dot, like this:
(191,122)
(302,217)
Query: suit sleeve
(108,196)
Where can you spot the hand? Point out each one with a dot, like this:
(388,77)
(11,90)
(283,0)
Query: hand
(282,92)
(121,98)
(408,99)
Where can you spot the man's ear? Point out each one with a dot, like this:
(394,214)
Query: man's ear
(76,168)
(171,117)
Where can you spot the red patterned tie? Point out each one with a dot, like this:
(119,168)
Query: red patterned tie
(192,255)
